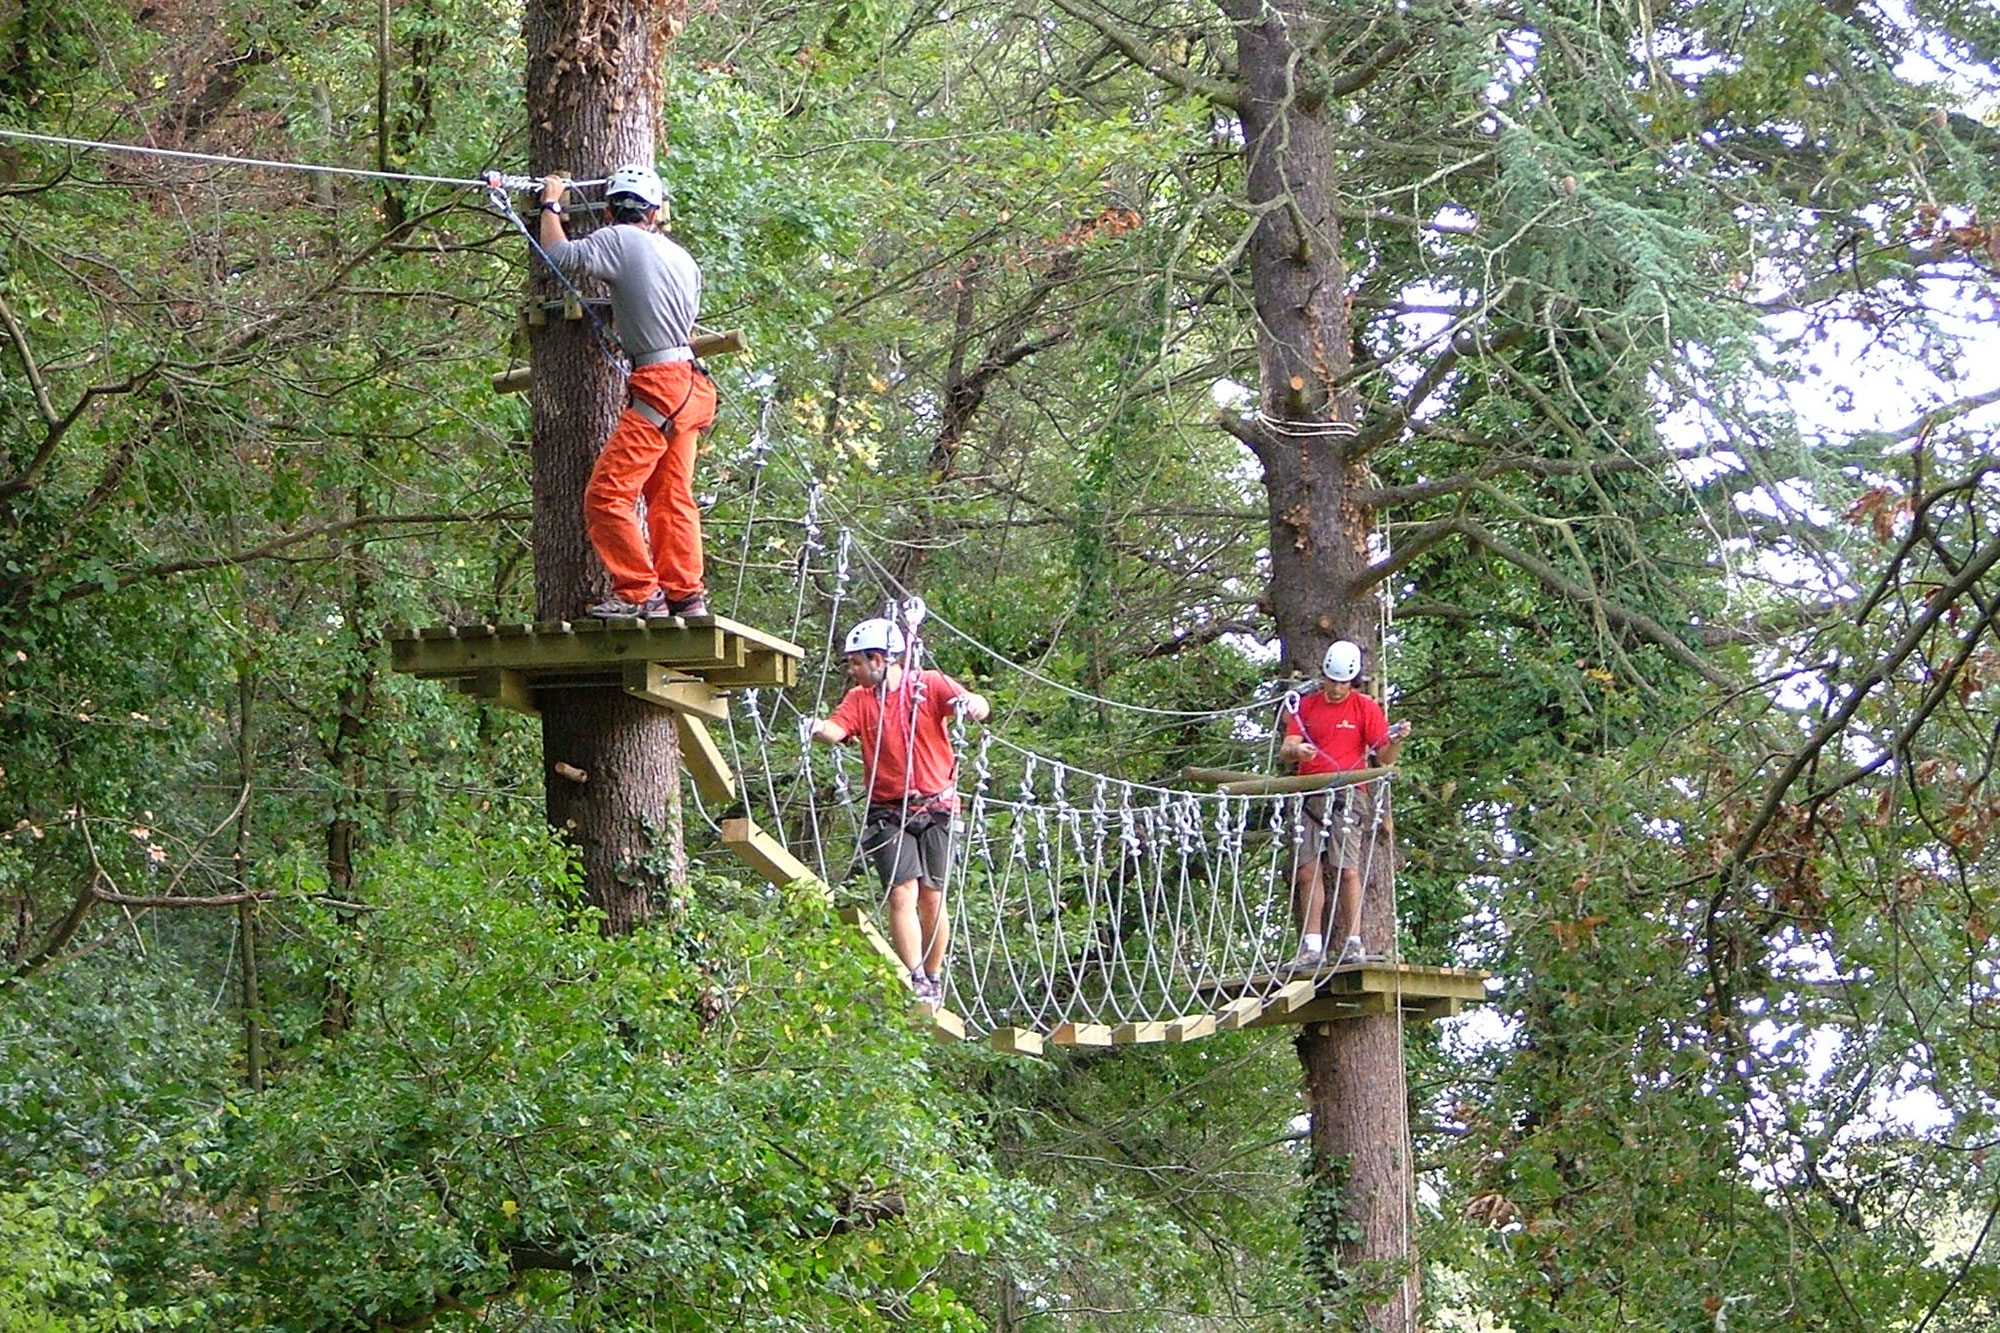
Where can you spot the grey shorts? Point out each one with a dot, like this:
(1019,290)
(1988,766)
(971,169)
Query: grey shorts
(905,848)
(1331,828)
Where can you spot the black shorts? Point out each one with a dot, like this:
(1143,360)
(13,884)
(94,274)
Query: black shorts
(903,848)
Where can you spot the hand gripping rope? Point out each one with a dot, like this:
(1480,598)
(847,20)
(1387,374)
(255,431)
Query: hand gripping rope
(497,187)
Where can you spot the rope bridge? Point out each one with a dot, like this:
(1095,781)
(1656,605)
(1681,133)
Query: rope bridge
(1086,909)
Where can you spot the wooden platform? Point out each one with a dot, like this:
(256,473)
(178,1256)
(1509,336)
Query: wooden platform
(679,664)
(1357,990)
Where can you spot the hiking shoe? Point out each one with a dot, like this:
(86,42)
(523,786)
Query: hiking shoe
(689,607)
(930,990)
(1306,958)
(1351,952)
(615,607)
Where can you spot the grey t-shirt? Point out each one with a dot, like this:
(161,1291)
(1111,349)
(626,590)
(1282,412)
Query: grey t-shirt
(655,285)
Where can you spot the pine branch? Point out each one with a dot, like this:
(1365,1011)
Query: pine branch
(1385,496)
(1466,343)
(1636,622)
(1215,90)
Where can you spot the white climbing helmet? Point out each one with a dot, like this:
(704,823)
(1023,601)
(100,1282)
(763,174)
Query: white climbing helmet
(641,183)
(875,636)
(1343,660)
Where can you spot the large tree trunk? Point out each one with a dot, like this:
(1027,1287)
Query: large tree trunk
(611,762)
(1360,1221)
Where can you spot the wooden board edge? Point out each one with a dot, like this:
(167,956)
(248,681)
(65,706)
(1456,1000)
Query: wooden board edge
(1239,1013)
(1081,1034)
(1190,1027)
(1016,1041)
(711,774)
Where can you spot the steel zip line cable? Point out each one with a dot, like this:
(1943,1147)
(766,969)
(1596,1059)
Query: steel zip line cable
(221,159)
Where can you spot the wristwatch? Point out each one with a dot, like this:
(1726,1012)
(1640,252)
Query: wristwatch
(553,206)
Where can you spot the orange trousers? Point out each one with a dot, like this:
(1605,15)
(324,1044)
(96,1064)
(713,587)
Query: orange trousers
(642,461)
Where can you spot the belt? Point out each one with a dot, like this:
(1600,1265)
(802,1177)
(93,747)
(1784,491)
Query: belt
(917,805)
(664,355)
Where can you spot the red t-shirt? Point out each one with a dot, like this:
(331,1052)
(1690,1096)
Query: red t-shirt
(885,748)
(1343,732)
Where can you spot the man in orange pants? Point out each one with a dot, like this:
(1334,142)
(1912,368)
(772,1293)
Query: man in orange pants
(655,295)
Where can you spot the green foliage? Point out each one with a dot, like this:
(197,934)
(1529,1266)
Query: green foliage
(666,1129)
(54,1274)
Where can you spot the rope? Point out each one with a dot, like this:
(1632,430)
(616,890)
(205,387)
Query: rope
(496,196)
(222,159)
(889,581)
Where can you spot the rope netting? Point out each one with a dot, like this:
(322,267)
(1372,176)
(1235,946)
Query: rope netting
(1073,896)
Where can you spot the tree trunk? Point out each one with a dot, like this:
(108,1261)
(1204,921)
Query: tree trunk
(612,763)
(1360,1194)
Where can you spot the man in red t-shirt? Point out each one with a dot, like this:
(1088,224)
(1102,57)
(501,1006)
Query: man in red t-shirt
(1334,730)
(898,719)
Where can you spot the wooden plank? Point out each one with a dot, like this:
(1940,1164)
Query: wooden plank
(588,645)
(761,667)
(704,763)
(1209,777)
(858,918)
(1138,1034)
(1239,1013)
(671,689)
(944,1024)
(766,855)
(1191,1026)
(1326,1009)
(501,687)
(1289,997)
(1016,1041)
(758,638)
(1468,984)
(1279,785)
(716,343)
(516,380)
(1427,982)
(1082,1034)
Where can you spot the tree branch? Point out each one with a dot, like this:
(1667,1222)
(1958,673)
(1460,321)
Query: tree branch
(277,544)
(1406,551)
(33,371)
(1196,638)
(1936,606)
(1385,496)
(1555,581)
(1216,91)
(45,453)
(1354,80)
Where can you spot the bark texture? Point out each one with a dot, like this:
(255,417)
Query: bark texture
(1319,528)
(611,762)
